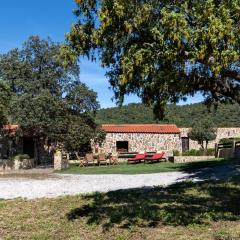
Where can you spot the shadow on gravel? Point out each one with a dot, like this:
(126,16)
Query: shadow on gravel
(180,204)
(211,171)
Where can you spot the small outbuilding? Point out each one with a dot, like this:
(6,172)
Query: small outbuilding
(141,137)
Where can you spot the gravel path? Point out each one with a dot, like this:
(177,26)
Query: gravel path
(59,185)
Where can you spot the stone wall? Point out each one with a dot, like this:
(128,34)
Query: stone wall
(221,133)
(186,159)
(6,164)
(147,142)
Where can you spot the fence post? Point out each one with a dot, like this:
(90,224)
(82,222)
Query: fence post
(233,148)
(216,150)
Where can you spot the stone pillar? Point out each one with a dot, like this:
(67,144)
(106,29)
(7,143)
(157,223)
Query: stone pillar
(60,161)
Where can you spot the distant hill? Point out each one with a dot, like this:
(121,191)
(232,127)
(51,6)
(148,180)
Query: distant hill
(183,116)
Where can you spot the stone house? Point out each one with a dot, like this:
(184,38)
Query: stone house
(13,144)
(155,137)
(141,137)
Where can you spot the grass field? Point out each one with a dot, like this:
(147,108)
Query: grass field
(190,211)
(143,168)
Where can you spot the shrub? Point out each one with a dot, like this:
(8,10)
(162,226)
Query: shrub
(200,152)
(229,140)
(21,157)
(210,152)
(176,153)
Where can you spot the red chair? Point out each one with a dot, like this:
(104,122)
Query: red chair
(138,158)
(156,157)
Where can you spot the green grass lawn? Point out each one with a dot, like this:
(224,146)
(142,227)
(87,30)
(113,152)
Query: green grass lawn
(186,211)
(143,168)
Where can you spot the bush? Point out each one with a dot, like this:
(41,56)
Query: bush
(200,152)
(21,157)
(176,153)
(229,140)
(192,152)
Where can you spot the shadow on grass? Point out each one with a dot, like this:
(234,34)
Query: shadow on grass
(180,204)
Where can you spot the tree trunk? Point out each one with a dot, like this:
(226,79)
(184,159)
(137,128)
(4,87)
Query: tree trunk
(39,151)
(205,148)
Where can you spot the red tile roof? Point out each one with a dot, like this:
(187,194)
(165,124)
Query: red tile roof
(140,128)
(11,129)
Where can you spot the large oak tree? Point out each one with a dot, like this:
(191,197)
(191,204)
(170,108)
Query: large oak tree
(48,100)
(162,50)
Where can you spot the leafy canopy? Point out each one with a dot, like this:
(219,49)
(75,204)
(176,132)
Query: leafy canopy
(49,102)
(201,132)
(5,96)
(226,115)
(162,50)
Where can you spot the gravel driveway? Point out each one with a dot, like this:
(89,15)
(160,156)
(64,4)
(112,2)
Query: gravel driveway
(63,184)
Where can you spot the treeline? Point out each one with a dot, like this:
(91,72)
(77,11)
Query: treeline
(226,115)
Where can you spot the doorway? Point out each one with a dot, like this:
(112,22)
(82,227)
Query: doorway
(28,147)
(185,144)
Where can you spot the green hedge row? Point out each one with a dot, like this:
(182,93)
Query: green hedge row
(195,152)
(229,140)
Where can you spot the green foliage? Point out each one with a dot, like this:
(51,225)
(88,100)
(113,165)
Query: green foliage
(202,131)
(80,131)
(161,50)
(5,96)
(100,136)
(200,152)
(21,157)
(176,153)
(229,140)
(49,102)
(227,115)
(195,152)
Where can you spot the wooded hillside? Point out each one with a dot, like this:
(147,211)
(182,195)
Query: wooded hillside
(182,116)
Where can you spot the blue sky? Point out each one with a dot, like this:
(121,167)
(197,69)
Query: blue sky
(52,18)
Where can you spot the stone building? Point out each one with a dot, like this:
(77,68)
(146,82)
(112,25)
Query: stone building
(11,144)
(141,137)
(221,133)
(155,137)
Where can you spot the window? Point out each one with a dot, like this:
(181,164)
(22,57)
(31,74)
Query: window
(122,146)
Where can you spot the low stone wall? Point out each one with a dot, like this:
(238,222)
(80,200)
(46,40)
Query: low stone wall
(24,164)
(186,159)
(6,165)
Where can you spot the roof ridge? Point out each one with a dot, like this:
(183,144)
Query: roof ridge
(141,128)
